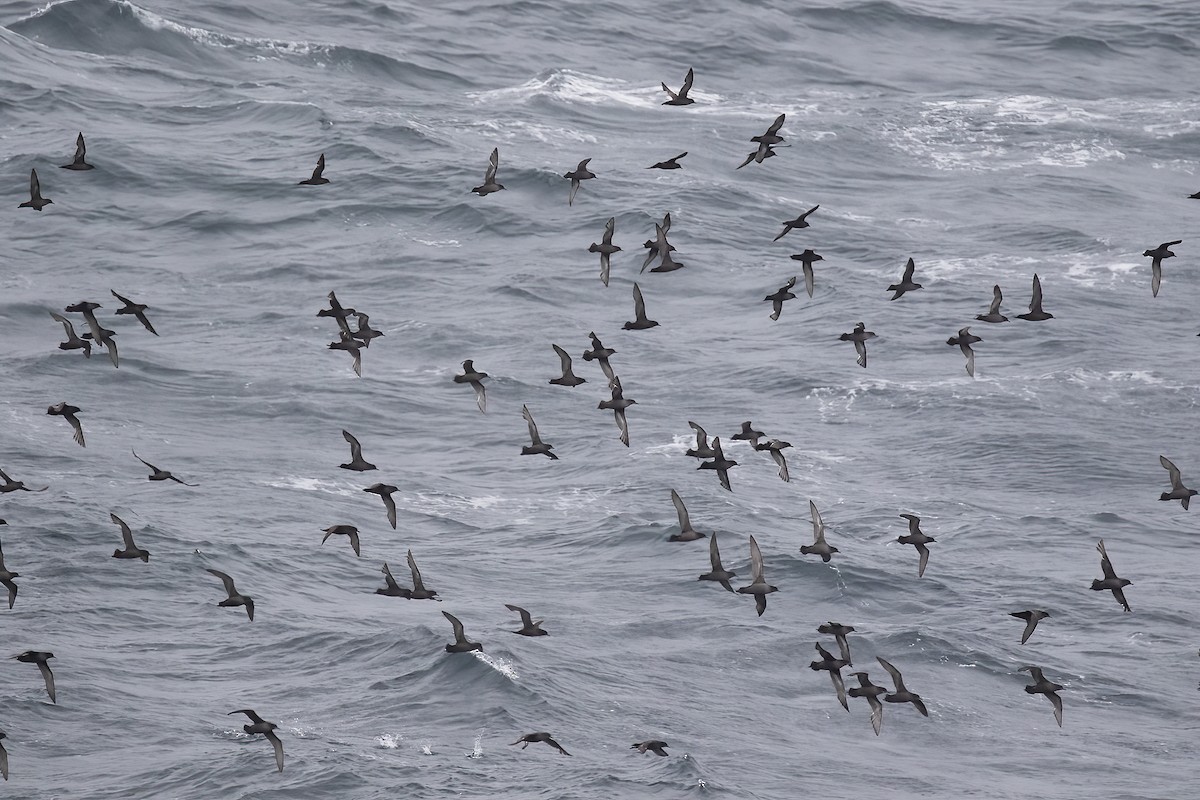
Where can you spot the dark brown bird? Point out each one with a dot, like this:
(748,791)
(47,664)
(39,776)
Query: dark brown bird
(461,643)
(157,474)
(235,598)
(795,224)
(568,378)
(6,579)
(670,163)
(68,413)
(720,463)
(606,248)
(357,462)
(317,179)
(529,627)
(267,729)
(385,491)
(136,309)
(475,378)
(659,748)
(344,530)
(40,658)
(35,201)
(131,550)
(79,162)
(680,98)
(1157,255)
(1111,581)
(73,341)
(531,738)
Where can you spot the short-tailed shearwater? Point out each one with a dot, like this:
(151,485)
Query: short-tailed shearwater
(859,336)
(529,627)
(365,332)
(718,573)
(795,224)
(6,579)
(419,592)
(758,156)
(131,550)
(1111,581)
(536,447)
(906,284)
(79,162)
(581,173)
(40,658)
(748,434)
(235,598)
(338,313)
(656,746)
(599,353)
(964,340)
(489,175)
(35,201)
(807,259)
(618,404)
(702,448)
(680,98)
(100,335)
(1031,617)
(1156,257)
(385,491)
(68,413)
(918,540)
(317,178)
(606,248)
(1178,490)
(344,530)
(461,643)
(838,631)
(819,546)
(357,462)
(472,376)
(353,346)
(1042,686)
(267,729)
(391,587)
(3,757)
(157,474)
(568,378)
(775,448)
(758,585)
(73,342)
(834,667)
(686,532)
(542,736)
(902,695)
(138,310)
(670,163)
(640,321)
(658,246)
(993,314)
(1036,314)
(10,485)
(779,296)
(720,463)
(870,691)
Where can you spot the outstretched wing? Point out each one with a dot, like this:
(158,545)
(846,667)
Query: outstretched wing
(533,431)
(685,522)
(230,589)
(126,534)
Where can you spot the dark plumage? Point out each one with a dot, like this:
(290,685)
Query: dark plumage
(267,729)
(317,179)
(542,736)
(79,162)
(157,474)
(580,173)
(918,540)
(720,463)
(1036,314)
(529,626)
(680,98)
(131,550)
(1031,617)
(1178,491)
(35,201)
(819,546)
(1111,581)
(235,598)
(606,248)
(795,224)
(461,644)
(780,295)
(640,321)
(537,447)
(41,658)
(385,491)
(344,530)
(859,336)
(718,573)
(490,184)
(659,748)
(68,413)
(357,463)
(906,284)
(1156,257)
(138,310)
(475,378)
(758,585)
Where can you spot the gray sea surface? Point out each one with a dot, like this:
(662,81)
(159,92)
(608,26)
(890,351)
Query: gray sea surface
(988,141)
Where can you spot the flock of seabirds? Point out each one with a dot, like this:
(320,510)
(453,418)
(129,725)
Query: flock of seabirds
(355,340)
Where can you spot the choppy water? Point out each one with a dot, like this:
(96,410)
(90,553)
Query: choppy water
(986,141)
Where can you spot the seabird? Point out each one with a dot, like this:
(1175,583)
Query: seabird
(461,644)
(316,180)
(760,155)
(1031,617)
(40,658)
(339,314)
(834,667)
(656,247)
(569,378)
(819,546)
(531,738)
(606,248)
(718,574)
(352,346)
(235,598)
(489,175)
(765,142)
(838,631)
(1042,686)
(131,550)
(871,692)
(100,335)
(6,579)
(618,404)
(73,342)
(906,283)
(35,201)
(1178,490)
(1111,581)
(781,294)
(599,353)
(538,447)
(702,448)
(670,163)
(476,380)
(1157,255)
(859,336)
(581,173)
(385,491)
(993,314)
(3,757)
(157,474)
(267,729)
(528,626)
(719,463)
(918,540)
(686,532)
(391,588)
(344,530)
(357,463)
(659,748)
(79,162)
(902,695)
(641,321)
(747,433)
(68,413)
(799,222)
(1035,304)
(10,485)
(758,584)
(664,248)
(964,340)
(137,309)
(365,332)
(419,592)
(680,98)
(807,259)
(775,448)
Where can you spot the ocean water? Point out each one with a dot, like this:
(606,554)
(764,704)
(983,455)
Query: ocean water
(987,141)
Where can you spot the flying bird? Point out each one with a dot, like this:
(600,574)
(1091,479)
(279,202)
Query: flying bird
(720,463)
(538,447)
(993,314)
(618,404)
(775,448)
(1111,581)
(918,540)
(1032,617)
(344,530)
(758,585)
(747,433)
(670,163)
(870,691)
(357,462)
(365,332)
(235,598)
(68,413)
(157,474)
(581,173)
(807,259)
(529,627)
(906,284)
(779,296)
(475,378)
(40,658)
(838,631)
(599,353)
(531,738)
(1036,314)
(659,748)
(1156,257)
(391,587)
(267,729)
(136,309)
(902,695)
(461,643)
(795,224)
(79,162)
(385,491)
(819,546)
(718,573)
(73,342)
(859,336)
(964,340)
(3,758)
(606,248)
(834,667)
(640,321)
(419,592)
(100,335)
(1042,686)
(686,532)
(1178,490)
(569,378)
(6,579)
(702,448)
(35,201)
(680,98)
(10,485)
(317,179)
(351,345)
(131,550)
(489,175)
